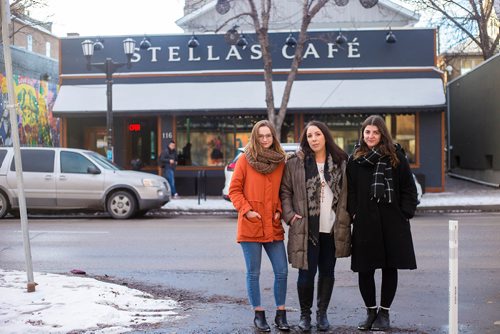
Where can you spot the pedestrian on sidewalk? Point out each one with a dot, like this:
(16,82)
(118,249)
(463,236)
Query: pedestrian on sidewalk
(382,198)
(168,160)
(314,199)
(254,192)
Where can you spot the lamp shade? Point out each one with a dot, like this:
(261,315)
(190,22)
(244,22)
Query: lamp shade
(129,46)
(193,42)
(242,41)
(145,43)
(291,41)
(88,48)
(341,39)
(390,38)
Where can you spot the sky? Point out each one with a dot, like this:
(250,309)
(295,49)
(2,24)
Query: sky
(112,17)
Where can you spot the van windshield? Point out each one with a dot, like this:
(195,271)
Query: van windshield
(103,162)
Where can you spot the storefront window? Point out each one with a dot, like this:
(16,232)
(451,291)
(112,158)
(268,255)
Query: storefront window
(213,140)
(142,138)
(403,131)
(345,130)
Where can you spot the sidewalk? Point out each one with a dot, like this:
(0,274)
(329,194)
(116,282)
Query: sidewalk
(459,195)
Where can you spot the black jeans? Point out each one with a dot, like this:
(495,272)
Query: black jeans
(321,257)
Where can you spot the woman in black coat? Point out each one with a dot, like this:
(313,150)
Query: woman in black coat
(382,198)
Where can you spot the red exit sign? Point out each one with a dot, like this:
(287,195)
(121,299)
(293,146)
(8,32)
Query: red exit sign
(134,127)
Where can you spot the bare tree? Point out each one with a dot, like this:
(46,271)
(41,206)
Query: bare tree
(260,18)
(469,19)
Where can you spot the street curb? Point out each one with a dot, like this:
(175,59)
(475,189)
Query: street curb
(429,209)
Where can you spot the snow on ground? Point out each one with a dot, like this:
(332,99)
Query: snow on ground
(62,304)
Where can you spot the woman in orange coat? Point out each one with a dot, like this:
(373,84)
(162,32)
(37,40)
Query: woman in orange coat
(254,191)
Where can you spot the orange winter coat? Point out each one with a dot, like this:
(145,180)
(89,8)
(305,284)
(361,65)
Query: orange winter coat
(251,190)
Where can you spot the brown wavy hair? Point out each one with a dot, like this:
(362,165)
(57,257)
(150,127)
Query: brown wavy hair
(338,155)
(386,145)
(254,146)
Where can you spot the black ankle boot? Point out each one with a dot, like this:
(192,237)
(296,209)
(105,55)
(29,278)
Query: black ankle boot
(382,322)
(280,320)
(325,287)
(371,314)
(260,321)
(306,295)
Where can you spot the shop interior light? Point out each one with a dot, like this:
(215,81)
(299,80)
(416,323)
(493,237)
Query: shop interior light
(291,41)
(193,42)
(145,43)
(390,37)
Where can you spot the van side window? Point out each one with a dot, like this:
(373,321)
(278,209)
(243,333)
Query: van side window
(72,162)
(38,161)
(3,153)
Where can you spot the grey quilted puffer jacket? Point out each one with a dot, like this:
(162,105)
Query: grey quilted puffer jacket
(294,201)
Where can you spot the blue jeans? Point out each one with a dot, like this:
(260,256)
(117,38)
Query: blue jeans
(277,254)
(169,175)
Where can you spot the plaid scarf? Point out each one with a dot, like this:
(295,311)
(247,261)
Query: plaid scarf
(333,178)
(382,187)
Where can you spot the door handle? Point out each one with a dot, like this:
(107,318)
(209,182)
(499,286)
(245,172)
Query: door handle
(48,177)
(62,177)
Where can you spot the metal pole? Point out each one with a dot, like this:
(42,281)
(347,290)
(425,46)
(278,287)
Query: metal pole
(11,107)
(453,278)
(109,110)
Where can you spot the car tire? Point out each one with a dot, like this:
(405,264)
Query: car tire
(4,205)
(121,205)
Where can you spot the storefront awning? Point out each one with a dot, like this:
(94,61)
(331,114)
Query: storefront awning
(422,93)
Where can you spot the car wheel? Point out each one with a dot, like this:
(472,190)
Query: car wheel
(4,205)
(121,205)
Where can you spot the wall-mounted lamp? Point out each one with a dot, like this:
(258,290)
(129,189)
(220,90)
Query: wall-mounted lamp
(193,42)
(145,43)
(449,69)
(45,77)
(390,37)
(242,41)
(341,39)
(98,44)
(291,41)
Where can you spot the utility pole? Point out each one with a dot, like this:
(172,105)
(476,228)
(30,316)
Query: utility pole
(11,107)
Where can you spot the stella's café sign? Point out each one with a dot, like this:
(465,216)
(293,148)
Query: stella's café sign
(170,53)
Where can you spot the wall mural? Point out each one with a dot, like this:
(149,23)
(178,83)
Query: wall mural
(36,124)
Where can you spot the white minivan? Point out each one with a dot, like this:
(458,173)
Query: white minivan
(75,179)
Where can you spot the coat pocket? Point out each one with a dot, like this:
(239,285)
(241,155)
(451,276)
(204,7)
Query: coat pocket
(251,228)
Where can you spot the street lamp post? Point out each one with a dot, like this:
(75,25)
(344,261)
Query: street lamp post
(108,67)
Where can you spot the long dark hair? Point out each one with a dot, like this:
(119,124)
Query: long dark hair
(338,155)
(386,145)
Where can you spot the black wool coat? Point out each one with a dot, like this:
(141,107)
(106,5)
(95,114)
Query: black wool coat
(381,231)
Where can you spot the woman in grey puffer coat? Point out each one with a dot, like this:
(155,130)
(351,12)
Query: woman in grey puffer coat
(314,201)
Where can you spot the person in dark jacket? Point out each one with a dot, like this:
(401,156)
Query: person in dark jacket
(168,160)
(314,200)
(382,198)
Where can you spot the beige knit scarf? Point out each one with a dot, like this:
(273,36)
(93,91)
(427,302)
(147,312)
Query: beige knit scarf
(266,162)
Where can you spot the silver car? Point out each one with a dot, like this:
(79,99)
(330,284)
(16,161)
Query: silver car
(229,169)
(74,179)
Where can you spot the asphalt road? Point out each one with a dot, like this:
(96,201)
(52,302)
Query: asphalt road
(196,260)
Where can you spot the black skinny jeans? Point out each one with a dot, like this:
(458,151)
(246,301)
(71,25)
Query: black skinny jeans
(321,257)
(389,286)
